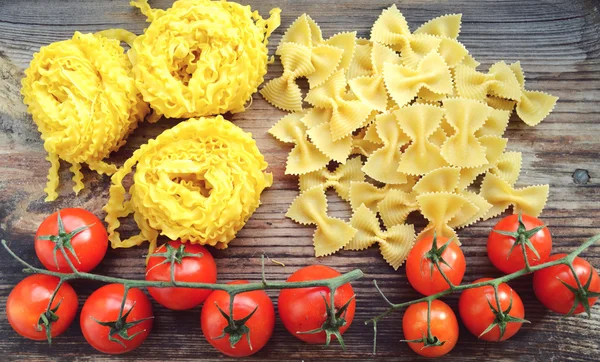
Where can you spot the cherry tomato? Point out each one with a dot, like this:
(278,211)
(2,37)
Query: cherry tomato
(499,246)
(29,300)
(477,316)
(89,244)
(258,328)
(418,265)
(554,294)
(305,309)
(444,326)
(103,306)
(198,268)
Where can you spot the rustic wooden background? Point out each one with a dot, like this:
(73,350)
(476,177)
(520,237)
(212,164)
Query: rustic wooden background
(558,43)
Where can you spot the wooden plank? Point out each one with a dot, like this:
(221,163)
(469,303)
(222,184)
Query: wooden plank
(557,43)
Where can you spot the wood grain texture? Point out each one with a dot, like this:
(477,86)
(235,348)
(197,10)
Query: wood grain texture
(558,44)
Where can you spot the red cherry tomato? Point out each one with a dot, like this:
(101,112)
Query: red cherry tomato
(554,294)
(29,300)
(444,326)
(304,309)
(418,266)
(477,316)
(200,268)
(259,326)
(89,244)
(103,306)
(499,246)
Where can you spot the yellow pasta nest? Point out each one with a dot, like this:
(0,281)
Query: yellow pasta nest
(201,57)
(82,96)
(199,182)
(423,120)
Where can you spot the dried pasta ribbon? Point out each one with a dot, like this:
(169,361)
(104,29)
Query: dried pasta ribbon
(395,207)
(304,157)
(403,83)
(371,89)
(466,117)
(82,96)
(394,243)
(340,179)
(332,234)
(439,208)
(498,192)
(508,167)
(201,57)
(199,181)
(533,106)
(347,115)
(419,122)
(389,155)
(499,80)
(494,146)
(283,92)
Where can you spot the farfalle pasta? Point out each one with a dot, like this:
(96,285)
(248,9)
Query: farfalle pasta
(426,124)
(199,181)
(82,96)
(201,57)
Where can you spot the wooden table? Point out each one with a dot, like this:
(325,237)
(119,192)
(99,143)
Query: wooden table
(558,43)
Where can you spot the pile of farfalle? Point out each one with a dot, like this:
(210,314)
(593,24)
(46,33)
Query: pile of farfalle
(197,58)
(423,120)
(82,96)
(199,182)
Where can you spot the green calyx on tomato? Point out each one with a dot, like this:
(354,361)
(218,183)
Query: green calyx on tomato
(435,256)
(236,329)
(62,241)
(174,255)
(335,320)
(581,293)
(46,320)
(522,238)
(501,317)
(120,327)
(428,340)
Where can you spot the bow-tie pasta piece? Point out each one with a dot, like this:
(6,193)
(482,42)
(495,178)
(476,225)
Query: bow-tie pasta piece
(494,146)
(361,64)
(382,165)
(325,59)
(466,116)
(508,167)
(394,243)
(340,179)
(332,234)
(533,106)
(363,146)
(444,179)
(347,115)
(447,26)
(371,89)
(304,157)
(419,122)
(395,207)
(283,92)
(467,215)
(304,31)
(495,124)
(439,208)
(498,192)
(403,83)
(345,41)
(499,81)
(469,61)
(317,120)
(390,27)
(500,103)
(367,194)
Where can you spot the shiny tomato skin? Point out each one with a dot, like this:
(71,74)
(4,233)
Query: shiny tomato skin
(498,245)
(90,245)
(444,326)
(29,299)
(103,305)
(418,268)
(554,295)
(261,323)
(303,309)
(192,269)
(477,315)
